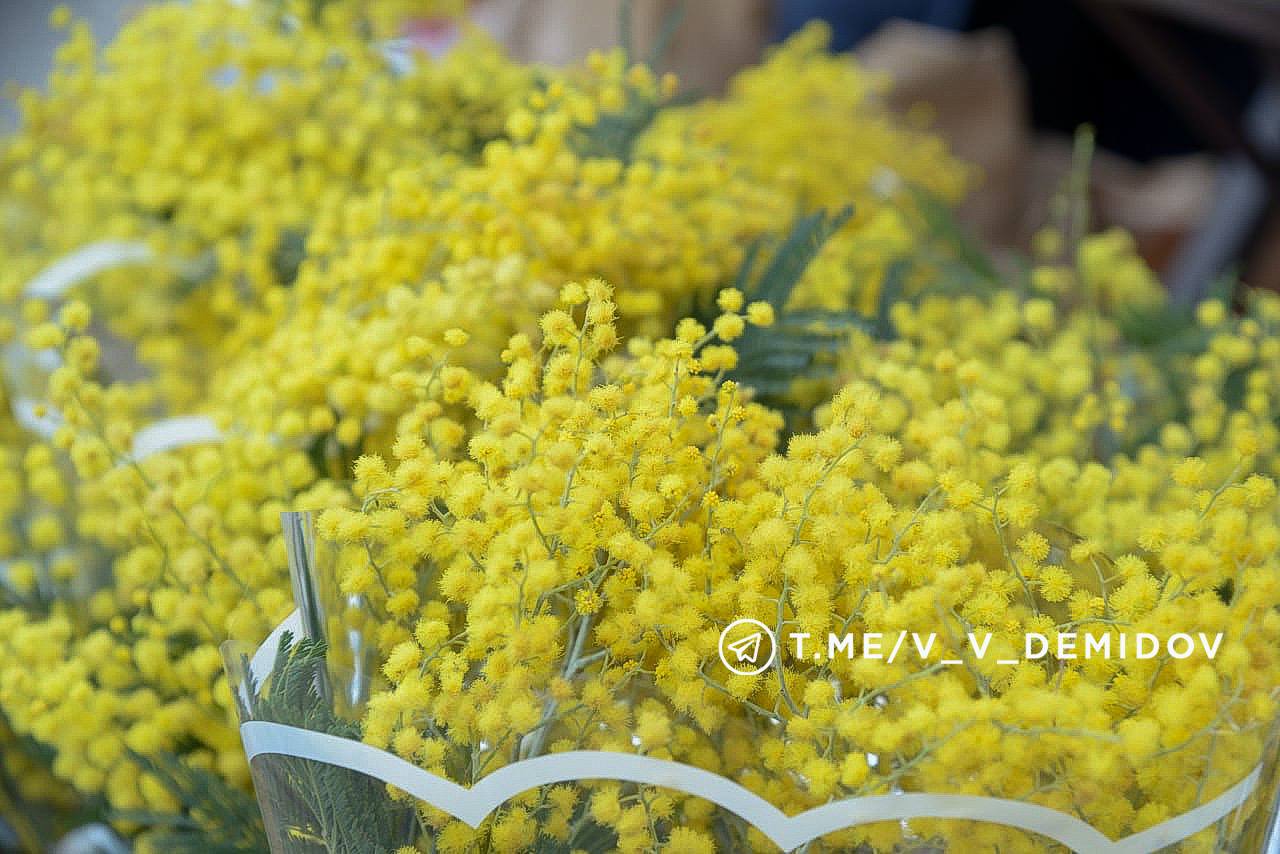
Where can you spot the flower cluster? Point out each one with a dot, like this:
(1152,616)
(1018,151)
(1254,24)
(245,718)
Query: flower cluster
(837,146)
(134,579)
(547,495)
(215,135)
(557,578)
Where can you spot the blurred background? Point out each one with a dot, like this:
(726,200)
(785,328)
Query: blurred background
(1182,94)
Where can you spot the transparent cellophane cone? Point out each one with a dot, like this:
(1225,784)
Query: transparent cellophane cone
(664,818)
(321,681)
(603,815)
(310,806)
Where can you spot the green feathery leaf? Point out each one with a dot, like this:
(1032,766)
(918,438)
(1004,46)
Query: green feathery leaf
(213,817)
(946,231)
(799,344)
(318,807)
(614,134)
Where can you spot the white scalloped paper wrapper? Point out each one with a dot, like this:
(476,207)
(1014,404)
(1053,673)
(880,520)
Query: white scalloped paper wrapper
(56,279)
(52,283)
(473,805)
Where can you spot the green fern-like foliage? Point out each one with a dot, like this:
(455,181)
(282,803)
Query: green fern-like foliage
(311,806)
(1170,336)
(614,135)
(800,343)
(214,817)
(963,265)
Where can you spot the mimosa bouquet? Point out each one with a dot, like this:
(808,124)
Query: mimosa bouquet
(682,478)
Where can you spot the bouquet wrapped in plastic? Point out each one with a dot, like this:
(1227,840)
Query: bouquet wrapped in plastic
(623,617)
(682,477)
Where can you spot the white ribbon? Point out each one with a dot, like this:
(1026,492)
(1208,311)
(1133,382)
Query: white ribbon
(789,832)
